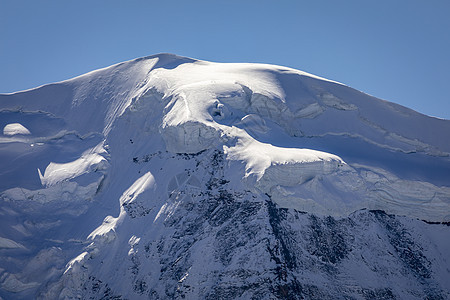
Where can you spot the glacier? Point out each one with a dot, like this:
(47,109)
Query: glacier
(167,177)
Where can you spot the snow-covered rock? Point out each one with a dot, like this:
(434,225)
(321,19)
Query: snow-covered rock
(169,177)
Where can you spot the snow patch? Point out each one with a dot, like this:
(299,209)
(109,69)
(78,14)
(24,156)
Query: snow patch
(285,166)
(145,182)
(105,233)
(59,172)
(15,128)
(76,261)
(9,244)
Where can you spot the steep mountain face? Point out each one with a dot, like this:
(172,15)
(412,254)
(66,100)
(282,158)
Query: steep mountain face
(167,178)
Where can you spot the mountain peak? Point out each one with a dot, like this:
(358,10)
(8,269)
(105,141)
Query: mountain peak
(196,106)
(150,166)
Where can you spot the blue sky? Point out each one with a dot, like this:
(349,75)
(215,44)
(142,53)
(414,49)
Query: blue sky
(395,50)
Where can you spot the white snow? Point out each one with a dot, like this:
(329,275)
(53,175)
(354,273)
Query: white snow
(284,166)
(15,128)
(76,261)
(57,172)
(106,232)
(144,183)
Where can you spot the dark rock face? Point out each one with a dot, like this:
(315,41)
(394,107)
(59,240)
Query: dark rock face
(219,242)
(409,253)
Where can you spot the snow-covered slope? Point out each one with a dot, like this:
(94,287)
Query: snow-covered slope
(169,177)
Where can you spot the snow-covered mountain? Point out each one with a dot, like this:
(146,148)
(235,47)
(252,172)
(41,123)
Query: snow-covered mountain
(172,178)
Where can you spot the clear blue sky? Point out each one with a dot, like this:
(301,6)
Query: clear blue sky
(398,50)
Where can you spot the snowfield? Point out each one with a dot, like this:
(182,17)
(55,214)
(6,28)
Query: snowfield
(168,177)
